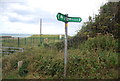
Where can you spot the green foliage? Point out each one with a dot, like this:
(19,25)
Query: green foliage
(23,70)
(105,46)
(103,42)
(59,45)
(14,63)
(96,58)
(72,42)
(105,22)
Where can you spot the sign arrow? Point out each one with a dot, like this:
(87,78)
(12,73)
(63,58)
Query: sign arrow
(62,17)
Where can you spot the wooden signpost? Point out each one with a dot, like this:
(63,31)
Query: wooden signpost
(66,19)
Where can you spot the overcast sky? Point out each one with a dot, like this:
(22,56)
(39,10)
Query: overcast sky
(23,16)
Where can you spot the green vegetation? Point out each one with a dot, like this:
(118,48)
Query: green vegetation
(31,41)
(87,61)
(45,35)
(93,52)
(107,21)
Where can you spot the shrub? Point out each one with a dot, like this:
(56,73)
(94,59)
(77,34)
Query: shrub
(100,42)
(23,70)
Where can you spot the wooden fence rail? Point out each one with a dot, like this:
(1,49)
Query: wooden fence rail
(10,50)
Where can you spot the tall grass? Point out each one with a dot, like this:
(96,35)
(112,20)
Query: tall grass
(96,58)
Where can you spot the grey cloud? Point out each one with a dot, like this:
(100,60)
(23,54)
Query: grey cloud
(13,19)
(23,12)
(32,21)
(6,4)
(36,14)
(11,1)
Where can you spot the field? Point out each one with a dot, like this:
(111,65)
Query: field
(33,40)
(95,58)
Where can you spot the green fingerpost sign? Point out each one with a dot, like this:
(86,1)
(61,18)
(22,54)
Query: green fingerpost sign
(66,19)
(74,19)
(62,17)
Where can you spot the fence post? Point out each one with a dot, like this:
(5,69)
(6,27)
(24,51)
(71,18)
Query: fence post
(25,41)
(31,40)
(40,40)
(18,41)
(7,39)
(13,39)
(54,39)
(20,63)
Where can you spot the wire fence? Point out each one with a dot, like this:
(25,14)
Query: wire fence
(30,41)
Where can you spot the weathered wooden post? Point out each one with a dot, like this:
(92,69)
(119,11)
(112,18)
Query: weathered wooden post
(18,41)
(66,19)
(25,41)
(20,63)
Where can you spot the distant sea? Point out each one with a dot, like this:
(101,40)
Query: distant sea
(17,35)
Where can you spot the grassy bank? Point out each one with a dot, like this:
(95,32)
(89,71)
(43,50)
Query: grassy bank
(96,58)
